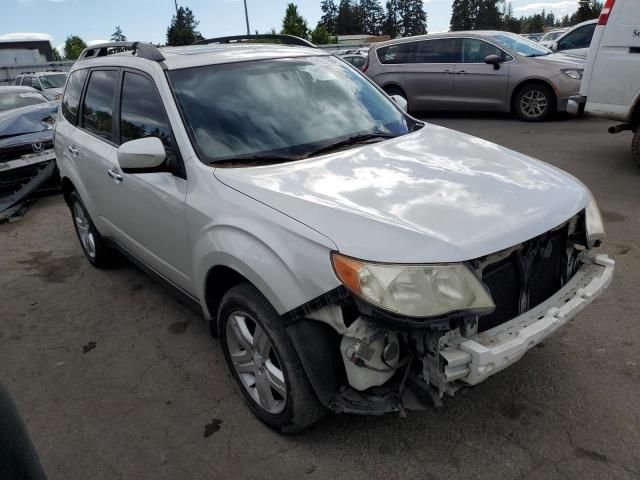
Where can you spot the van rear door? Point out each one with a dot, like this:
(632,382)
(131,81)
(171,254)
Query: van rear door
(611,82)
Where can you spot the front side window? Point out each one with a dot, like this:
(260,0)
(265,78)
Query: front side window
(436,51)
(53,81)
(396,54)
(71,98)
(9,101)
(579,38)
(98,103)
(35,83)
(519,45)
(290,107)
(475,51)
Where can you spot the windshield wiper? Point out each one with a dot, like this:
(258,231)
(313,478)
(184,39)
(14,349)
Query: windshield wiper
(252,160)
(353,141)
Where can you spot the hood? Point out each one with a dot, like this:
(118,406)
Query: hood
(435,195)
(27,120)
(563,59)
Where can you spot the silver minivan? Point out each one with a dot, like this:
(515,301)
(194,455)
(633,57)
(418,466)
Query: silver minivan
(479,70)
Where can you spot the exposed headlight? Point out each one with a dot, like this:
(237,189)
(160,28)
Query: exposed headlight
(595,225)
(414,290)
(576,74)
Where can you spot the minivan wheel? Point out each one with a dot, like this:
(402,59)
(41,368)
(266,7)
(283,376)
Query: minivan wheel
(264,363)
(635,146)
(93,246)
(391,90)
(534,103)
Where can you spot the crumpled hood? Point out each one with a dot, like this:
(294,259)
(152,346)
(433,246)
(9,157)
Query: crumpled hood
(27,120)
(435,195)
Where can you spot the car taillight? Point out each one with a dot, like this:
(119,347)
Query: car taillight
(606,11)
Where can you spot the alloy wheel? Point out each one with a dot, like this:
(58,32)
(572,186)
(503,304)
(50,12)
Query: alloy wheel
(256,362)
(533,103)
(84,230)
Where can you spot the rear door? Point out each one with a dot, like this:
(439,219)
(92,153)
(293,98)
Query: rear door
(429,74)
(478,85)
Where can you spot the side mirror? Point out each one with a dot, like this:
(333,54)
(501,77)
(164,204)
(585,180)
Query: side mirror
(554,46)
(141,154)
(401,101)
(493,60)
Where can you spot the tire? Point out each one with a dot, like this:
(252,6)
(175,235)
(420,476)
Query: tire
(528,102)
(635,146)
(264,363)
(391,90)
(92,243)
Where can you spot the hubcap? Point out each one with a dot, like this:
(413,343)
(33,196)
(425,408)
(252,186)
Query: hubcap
(256,362)
(533,103)
(84,230)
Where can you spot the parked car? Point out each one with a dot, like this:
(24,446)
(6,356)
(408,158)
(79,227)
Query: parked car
(611,87)
(357,61)
(549,37)
(534,37)
(350,257)
(476,70)
(27,159)
(49,83)
(576,40)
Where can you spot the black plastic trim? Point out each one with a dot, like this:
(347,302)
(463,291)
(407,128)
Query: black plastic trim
(284,39)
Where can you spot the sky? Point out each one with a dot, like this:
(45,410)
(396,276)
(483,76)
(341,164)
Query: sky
(147,20)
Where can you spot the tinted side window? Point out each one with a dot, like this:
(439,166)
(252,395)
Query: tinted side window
(71,99)
(98,103)
(142,114)
(437,51)
(26,82)
(475,51)
(580,38)
(35,83)
(395,54)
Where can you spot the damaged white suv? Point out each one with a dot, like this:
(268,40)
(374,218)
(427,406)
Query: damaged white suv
(350,257)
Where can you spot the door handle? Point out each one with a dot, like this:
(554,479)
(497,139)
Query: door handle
(73,150)
(116,176)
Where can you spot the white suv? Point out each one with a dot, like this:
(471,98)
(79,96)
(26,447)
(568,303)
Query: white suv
(349,256)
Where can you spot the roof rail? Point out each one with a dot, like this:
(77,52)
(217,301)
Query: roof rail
(139,49)
(284,39)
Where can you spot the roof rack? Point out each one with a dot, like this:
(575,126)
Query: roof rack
(284,39)
(139,49)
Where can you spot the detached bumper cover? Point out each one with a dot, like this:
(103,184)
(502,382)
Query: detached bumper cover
(472,360)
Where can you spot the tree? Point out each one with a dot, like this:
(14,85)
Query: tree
(371,17)
(56,55)
(183,28)
(73,47)
(462,17)
(391,24)
(293,23)
(321,36)
(509,22)
(487,15)
(118,36)
(346,21)
(329,16)
(414,18)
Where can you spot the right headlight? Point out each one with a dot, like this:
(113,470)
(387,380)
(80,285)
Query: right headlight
(595,225)
(575,73)
(414,290)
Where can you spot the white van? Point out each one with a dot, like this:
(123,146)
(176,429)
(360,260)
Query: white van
(611,83)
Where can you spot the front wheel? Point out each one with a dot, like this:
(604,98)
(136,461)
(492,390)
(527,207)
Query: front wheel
(534,103)
(264,363)
(635,146)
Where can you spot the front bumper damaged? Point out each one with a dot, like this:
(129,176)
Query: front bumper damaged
(472,360)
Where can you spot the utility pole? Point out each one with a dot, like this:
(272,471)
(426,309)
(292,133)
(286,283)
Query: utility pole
(246,17)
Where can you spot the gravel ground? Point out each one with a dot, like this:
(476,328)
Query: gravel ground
(153,400)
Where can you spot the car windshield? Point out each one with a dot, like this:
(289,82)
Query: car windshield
(520,45)
(9,101)
(53,81)
(551,36)
(285,108)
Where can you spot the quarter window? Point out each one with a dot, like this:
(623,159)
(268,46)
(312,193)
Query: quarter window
(71,99)
(98,103)
(475,51)
(436,51)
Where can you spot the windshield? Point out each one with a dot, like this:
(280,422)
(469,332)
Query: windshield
(287,107)
(53,81)
(551,36)
(9,101)
(520,45)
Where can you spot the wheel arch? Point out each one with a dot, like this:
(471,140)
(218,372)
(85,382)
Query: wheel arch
(531,81)
(67,187)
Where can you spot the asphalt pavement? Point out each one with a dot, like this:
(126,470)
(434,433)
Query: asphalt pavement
(118,380)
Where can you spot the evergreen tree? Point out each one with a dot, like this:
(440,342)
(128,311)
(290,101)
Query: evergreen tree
(118,36)
(56,55)
(391,24)
(371,16)
(550,20)
(183,28)
(293,23)
(509,22)
(462,17)
(346,18)
(487,15)
(413,17)
(321,36)
(73,47)
(329,16)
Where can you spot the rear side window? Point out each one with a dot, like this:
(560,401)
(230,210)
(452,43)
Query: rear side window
(97,110)
(436,51)
(71,99)
(396,54)
(26,82)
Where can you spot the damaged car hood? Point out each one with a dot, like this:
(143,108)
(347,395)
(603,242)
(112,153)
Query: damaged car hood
(33,119)
(435,195)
